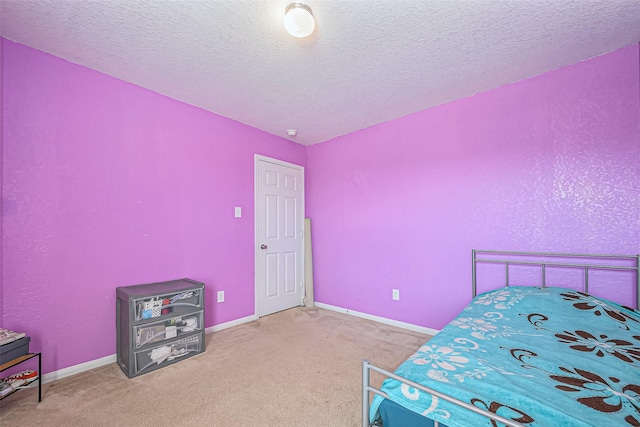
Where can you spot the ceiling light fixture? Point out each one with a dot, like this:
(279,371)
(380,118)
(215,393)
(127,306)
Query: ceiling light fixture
(298,20)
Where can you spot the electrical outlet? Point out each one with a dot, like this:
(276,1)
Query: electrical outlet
(396,294)
(220,296)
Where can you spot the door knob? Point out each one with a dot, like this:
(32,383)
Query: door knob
(263,246)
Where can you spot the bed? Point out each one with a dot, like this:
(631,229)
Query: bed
(526,352)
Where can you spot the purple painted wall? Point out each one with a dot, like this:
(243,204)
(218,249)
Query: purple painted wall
(107,184)
(551,163)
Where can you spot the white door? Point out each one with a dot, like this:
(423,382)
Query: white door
(279,235)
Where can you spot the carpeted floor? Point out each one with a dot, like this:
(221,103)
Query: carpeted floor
(299,367)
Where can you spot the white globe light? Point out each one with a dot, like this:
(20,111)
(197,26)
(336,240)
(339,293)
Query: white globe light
(298,20)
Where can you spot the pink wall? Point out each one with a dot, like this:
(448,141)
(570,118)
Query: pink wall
(106,184)
(551,163)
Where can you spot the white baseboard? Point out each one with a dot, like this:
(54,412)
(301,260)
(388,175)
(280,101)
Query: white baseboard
(92,364)
(379,319)
(76,369)
(226,325)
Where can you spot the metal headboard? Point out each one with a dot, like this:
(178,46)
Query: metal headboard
(586,266)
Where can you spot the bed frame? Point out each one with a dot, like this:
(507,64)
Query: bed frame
(543,260)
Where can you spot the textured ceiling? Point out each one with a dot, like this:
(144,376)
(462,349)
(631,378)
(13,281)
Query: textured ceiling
(368,61)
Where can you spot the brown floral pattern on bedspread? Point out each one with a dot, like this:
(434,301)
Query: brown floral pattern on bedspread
(601,345)
(539,356)
(604,395)
(503,410)
(609,394)
(599,307)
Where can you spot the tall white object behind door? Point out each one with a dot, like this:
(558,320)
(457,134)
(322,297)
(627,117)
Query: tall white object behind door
(279,225)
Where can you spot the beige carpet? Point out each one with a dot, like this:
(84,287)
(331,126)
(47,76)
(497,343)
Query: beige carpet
(300,367)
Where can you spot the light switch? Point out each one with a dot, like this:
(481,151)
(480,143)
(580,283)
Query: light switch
(238,212)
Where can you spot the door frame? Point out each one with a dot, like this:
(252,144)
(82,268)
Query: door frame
(260,158)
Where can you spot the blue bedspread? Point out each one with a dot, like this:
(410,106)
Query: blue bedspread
(540,356)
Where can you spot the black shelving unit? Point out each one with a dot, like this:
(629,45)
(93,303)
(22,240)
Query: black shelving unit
(19,360)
